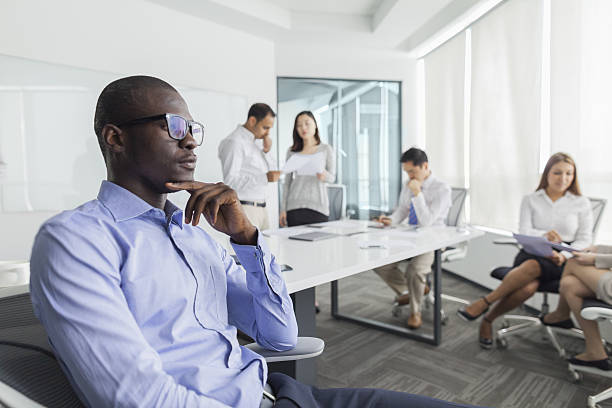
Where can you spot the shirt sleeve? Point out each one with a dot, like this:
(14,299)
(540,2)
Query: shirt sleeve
(526,226)
(232,156)
(604,249)
(286,185)
(76,293)
(257,298)
(403,207)
(330,165)
(437,208)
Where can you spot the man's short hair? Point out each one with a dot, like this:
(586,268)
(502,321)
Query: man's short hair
(414,155)
(260,110)
(118,97)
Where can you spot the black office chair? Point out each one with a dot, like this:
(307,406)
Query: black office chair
(30,375)
(528,322)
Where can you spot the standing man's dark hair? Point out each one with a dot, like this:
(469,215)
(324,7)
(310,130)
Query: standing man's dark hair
(259,111)
(414,155)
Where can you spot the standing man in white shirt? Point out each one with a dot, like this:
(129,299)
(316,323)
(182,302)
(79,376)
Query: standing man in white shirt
(424,201)
(246,165)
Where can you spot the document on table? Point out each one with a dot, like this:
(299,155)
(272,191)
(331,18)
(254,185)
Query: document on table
(287,232)
(540,246)
(305,164)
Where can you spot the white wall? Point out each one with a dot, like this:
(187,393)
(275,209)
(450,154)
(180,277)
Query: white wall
(337,63)
(130,37)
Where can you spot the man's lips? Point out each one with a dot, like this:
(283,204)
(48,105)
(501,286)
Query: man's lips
(188,162)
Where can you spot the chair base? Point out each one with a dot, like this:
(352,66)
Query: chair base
(593,400)
(526,324)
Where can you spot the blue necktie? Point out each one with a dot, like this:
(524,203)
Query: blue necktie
(412,217)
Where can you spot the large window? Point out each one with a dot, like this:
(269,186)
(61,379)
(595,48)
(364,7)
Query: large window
(531,78)
(361,121)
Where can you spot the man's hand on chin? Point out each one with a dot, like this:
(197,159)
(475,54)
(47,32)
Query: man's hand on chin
(219,204)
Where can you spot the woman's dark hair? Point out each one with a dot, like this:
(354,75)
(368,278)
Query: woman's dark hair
(574,188)
(298,143)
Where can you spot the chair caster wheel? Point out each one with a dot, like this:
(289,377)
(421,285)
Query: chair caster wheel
(396,311)
(444,320)
(505,324)
(576,376)
(502,343)
(608,348)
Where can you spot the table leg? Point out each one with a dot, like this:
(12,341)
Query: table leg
(304,370)
(434,339)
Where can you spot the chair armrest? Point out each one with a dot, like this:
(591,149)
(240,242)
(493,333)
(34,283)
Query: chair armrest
(596,310)
(307,347)
(454,254)
(11,398)
(506,241)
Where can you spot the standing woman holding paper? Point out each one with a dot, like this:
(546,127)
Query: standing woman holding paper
(556,211)
(305,199)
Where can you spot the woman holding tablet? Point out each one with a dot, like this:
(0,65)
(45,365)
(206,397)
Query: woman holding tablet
(305,199)
(556,211)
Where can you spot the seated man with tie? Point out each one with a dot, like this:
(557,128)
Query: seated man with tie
(424,201)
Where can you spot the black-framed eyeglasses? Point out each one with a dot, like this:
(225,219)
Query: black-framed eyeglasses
(177,126)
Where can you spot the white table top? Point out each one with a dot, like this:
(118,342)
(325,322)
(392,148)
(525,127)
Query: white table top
(319,262)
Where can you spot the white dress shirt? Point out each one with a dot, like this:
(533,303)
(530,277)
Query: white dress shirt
(431,205)
(571,216)
(244,165)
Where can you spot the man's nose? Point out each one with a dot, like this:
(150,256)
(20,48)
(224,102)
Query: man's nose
(188,142)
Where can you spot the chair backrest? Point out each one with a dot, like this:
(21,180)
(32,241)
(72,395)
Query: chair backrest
(27,364)
(458,195)
(337,200)
(598,205)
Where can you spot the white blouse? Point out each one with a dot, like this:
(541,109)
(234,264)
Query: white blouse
(571,216)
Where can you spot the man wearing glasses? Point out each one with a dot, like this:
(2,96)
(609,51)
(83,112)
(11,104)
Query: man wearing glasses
(246,165)
(141,306)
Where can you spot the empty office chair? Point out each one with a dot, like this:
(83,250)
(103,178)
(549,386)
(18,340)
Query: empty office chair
(337,200)
(458,196)
(593,310)
(528,322)
(30,375)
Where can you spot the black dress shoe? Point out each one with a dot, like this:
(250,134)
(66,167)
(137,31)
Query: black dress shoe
(604,364)
(563,324)
(468,317)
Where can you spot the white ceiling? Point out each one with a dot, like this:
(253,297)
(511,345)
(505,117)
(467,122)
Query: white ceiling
(390,25)
(353,7)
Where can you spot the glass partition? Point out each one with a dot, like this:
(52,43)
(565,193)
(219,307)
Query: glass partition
(361,120)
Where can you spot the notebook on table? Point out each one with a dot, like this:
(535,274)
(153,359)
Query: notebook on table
(313,236)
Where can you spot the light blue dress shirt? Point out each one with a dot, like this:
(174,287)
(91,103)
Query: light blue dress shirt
(142,309)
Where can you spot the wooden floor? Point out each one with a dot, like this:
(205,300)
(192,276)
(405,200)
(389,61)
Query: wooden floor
(527,374)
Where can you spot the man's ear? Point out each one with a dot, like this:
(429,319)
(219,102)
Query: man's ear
(113,138)
(252,121)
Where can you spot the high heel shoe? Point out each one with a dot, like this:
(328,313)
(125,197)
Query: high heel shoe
(483,341)
(468,317)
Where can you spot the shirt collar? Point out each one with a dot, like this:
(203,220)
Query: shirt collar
(124,205)
(568,195)
(246,133)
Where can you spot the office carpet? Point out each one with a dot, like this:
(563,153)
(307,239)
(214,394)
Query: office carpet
(529,373)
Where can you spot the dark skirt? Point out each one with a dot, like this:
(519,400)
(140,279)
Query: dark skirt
(550,271)
(302,216)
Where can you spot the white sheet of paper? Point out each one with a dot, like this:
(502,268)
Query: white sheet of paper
(305,164)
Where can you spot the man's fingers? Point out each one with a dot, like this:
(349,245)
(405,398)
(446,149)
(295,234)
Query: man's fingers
(186,185)
(208,202)
(195,196)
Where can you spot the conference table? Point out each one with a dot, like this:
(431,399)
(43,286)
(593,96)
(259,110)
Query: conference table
(355,246)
